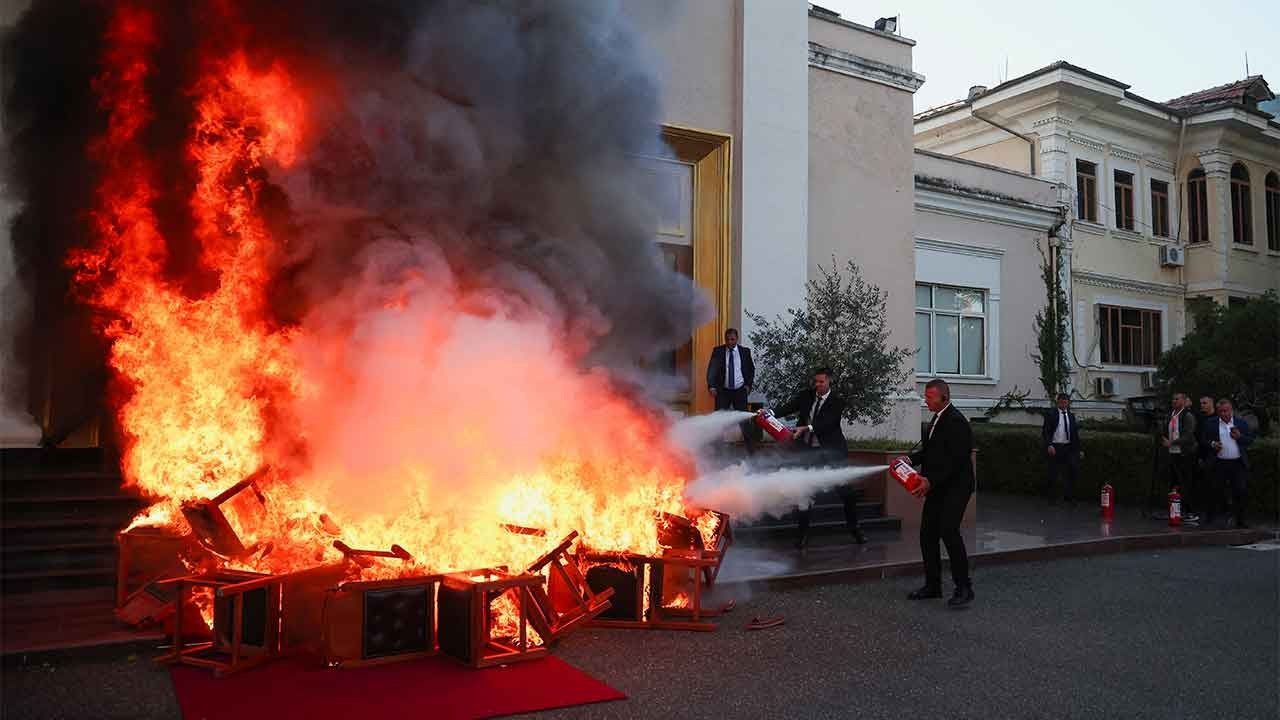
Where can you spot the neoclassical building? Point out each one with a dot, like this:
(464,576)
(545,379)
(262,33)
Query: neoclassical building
(1169,202)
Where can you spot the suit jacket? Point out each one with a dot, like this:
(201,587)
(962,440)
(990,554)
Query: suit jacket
(945,458)
(718,372)
(1204,451)
(826,425)
(1050,426)
(1188,439)
(1211,434)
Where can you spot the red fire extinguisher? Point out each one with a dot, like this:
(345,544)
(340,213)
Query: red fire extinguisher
(1108,501)
(773,426)
(906,475)
(1175,508)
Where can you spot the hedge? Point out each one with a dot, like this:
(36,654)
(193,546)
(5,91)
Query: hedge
(1011,459)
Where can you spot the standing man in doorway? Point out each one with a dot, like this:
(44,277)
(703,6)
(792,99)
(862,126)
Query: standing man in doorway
(1061,435)
(946,482)
(730,374)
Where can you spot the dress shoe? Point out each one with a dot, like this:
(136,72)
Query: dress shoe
(961,597)
(928,592)
(858,537)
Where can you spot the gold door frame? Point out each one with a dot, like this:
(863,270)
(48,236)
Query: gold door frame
(711,154)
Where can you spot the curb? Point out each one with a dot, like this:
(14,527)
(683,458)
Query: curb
(1101,546)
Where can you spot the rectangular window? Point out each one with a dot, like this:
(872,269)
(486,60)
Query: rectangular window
(1159,208)
(1086,191)
(951,330)
(1129,336)
(1241,212)
(1273,215)
(1197,209)
(1124,200)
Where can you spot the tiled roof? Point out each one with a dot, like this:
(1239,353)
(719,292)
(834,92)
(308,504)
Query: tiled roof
(1248,91)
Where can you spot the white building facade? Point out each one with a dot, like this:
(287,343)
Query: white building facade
(1167,203)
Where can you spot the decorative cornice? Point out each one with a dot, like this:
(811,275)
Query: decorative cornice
(1052,119)
(1158,163)
(1086,141)
(1084,277)
(1120,152)
(844,63)
(976,207)
(955,248)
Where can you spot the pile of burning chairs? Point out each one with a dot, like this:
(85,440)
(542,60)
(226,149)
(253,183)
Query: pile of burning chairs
(232,620)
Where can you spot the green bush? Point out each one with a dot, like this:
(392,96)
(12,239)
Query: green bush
(1011,459)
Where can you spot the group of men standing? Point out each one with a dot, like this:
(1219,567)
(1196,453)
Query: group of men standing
(944,457)
(1205,456)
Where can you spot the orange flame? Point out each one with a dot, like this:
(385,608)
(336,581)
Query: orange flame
(217,388)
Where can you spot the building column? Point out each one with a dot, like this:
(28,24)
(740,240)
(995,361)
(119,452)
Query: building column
(1217,171)
(775,157)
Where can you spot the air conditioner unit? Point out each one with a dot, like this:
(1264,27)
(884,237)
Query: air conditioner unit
(1172,256)
(1105,387)
(1148,380)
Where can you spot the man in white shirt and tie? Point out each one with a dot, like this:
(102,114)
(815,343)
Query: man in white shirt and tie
(1061,435)
(731,373)
(1229,437)
(1180,440)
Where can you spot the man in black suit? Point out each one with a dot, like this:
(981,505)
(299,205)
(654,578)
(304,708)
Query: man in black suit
(1229,437)
(1061,435)
(818,434)
(730,373)
(946,484)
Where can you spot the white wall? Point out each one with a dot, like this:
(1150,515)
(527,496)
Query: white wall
(775,153)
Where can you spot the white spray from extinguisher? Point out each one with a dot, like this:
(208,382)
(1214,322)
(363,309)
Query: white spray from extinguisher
(746,492)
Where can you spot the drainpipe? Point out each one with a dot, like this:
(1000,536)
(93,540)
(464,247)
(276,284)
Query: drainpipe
(1054,241)
(1031,143)
(1180,188)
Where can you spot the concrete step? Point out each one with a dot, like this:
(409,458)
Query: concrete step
(103,575)
(66,556)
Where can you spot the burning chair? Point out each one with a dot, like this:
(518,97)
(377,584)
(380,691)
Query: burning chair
(568,600)
(209,523)
(249,624)
(468,631)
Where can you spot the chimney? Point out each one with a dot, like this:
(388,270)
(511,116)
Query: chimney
(976,92)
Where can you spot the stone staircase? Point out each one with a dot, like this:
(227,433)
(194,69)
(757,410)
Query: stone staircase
(59,512)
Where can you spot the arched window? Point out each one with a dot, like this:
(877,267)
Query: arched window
(1197,208)
(1273,211)
(1241,210)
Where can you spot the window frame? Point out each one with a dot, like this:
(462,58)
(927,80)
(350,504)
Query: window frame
(1271,200)
(933,312)
(1197,207)
(1086,190)
(1241,206)
(1121,347)
(1123,211)
(1159,208)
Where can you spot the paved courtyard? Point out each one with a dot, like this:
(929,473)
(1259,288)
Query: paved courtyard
(1149,634)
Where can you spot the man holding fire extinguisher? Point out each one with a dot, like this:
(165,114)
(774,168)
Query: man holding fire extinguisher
(819,437)
(946,483)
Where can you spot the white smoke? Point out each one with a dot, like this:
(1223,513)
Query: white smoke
(692,433)
(745,494)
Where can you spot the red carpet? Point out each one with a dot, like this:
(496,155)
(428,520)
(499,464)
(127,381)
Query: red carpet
(435,688)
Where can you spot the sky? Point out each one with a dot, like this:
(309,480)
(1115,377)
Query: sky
(1162,49)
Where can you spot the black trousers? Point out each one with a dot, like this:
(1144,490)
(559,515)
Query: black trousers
(940,521)
(1180,472)
(731,399)
(1066,462)
(849,496)
(1233,479)
(737,400)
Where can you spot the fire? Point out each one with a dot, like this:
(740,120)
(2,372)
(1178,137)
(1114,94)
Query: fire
(412,436)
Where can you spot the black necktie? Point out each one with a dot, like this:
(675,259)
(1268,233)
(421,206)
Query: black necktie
(729,358)
(1066,426)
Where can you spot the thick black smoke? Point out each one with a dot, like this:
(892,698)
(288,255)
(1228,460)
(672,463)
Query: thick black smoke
(505,134)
